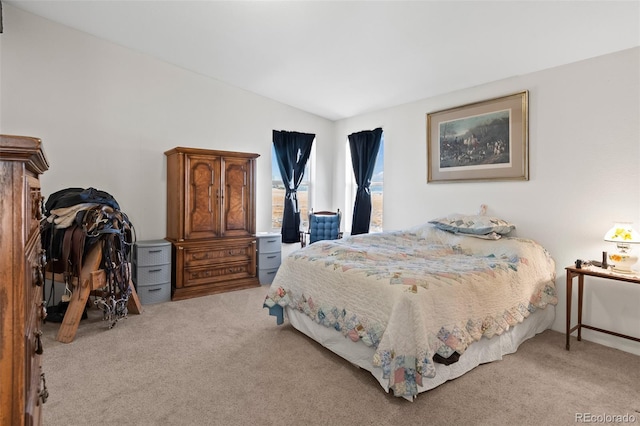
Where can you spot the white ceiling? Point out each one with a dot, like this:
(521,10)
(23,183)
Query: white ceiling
(338,59)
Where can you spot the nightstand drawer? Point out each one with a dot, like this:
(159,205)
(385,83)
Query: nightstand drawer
(157,274)
(269,260)
(155,252)
(266,276)
(156,293)
(270,243)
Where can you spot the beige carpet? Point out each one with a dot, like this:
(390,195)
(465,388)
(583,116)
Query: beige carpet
(221,360)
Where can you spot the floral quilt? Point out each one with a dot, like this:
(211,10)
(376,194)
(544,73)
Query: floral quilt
(414,293)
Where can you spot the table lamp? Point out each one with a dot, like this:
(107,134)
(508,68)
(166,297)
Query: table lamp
(623,235)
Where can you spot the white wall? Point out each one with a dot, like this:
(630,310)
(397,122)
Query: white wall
(107,114)
(584,134)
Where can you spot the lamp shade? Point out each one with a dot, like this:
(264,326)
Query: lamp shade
(622,233)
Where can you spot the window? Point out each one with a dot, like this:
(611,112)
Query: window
(376,190)
(278,190)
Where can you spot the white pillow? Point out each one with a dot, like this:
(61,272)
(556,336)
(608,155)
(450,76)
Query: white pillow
(473,224)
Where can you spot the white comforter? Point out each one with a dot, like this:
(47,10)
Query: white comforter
(411,294)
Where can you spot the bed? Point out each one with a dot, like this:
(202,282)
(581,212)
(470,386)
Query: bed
(421,306)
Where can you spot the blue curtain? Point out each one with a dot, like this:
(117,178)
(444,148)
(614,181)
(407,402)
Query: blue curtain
(292,152)
(364,150)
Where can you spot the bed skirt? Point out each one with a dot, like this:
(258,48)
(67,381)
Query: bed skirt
(483,351)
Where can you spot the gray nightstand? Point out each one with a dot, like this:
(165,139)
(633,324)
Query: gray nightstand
(152,271)
(269,256)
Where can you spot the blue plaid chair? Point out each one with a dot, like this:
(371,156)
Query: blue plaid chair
(323,225)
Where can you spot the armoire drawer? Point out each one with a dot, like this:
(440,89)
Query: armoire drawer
(201,256)
(217,273)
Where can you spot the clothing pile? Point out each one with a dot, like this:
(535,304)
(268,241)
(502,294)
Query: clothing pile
(75,220)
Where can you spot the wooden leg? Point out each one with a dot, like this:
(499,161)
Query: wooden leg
(568,296)
(79,298)
(580,289)
(72,317)
(133,305)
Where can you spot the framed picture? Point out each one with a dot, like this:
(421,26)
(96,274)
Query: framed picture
(482,141)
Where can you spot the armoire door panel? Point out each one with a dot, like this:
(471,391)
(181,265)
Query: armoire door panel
(202,195)
(237,209)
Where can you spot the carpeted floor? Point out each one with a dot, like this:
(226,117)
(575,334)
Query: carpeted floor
(221,360)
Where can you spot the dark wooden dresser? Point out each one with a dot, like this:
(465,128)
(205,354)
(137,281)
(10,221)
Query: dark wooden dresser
(211,221)
(22,384)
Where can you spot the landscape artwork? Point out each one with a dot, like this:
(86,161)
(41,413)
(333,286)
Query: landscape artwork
(481,141)
(478,141)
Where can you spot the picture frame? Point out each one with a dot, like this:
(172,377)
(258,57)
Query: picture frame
(480,141)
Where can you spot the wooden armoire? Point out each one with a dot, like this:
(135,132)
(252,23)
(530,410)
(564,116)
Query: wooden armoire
(211,221)
(22,385)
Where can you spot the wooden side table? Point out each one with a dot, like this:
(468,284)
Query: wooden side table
(573,272)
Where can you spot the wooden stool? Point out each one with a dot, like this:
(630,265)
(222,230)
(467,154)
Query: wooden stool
(91,278)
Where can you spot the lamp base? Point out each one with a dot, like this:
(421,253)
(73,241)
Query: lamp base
(623,262)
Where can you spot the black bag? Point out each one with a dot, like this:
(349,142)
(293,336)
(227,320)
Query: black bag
(72,196)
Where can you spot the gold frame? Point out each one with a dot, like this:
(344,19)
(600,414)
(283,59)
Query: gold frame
(515,107)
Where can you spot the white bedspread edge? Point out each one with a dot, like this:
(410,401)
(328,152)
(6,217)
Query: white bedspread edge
(483,351)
